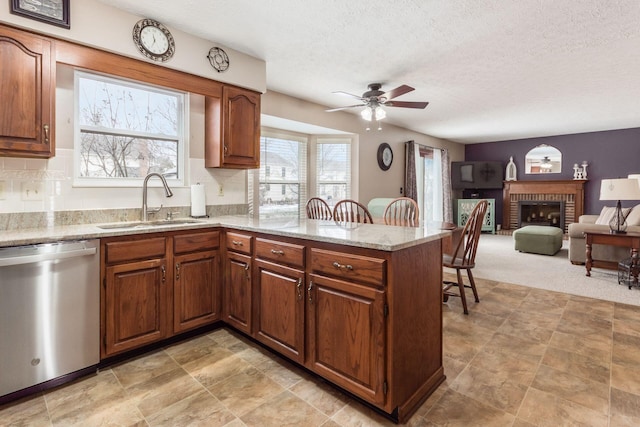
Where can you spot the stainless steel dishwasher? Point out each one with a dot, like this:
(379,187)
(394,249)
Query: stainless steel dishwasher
(49,312)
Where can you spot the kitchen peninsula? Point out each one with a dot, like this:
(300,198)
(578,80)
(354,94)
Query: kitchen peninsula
(357,304)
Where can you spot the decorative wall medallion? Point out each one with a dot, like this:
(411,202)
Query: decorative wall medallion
(218,59)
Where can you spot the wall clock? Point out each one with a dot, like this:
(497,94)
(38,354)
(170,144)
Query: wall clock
(153,40)
(385,156)
(218,59)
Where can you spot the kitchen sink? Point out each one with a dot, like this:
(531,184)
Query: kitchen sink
(147,224)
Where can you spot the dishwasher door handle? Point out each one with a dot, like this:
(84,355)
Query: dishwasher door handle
(30,259)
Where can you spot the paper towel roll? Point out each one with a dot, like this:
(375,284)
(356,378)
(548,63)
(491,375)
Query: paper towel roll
(198,204)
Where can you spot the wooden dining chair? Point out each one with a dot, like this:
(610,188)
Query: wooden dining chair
(464,255)
(402,211)
(351,211)
(317,208)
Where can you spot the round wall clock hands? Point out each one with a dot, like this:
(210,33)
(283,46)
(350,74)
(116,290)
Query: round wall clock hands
(218,59)
(153,40)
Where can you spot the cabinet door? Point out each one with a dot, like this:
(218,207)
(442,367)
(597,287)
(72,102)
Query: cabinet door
(27,78)
(136,296)
(196,290)
(237,291)
(240,128)
(280,312)
(346,331)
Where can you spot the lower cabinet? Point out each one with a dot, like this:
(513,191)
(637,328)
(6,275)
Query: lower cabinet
(346,335)
(155,287)
(237,291)
(280,306)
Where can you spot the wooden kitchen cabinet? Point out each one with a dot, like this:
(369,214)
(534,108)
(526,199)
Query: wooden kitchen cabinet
(346,322)
(279,297)
(27,90)
(232,129)
(196,285)
(237,293)
(156,287)
(136,294)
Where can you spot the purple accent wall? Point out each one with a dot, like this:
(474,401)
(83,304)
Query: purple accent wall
(610,154)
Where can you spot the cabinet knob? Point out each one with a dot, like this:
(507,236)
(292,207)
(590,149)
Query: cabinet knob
(226,150)
(177,271)
(164,273)
(299,288)
(46,133)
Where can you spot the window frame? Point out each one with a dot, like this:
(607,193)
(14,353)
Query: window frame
(182,133)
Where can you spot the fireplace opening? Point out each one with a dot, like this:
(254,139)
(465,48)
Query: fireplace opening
(548,213)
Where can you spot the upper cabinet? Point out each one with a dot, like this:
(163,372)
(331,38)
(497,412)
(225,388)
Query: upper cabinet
(232,129)
(27,88)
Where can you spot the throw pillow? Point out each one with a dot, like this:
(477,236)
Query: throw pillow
(634,216)
(608,213)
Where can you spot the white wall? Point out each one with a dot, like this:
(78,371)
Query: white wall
(105,27)
(373,182)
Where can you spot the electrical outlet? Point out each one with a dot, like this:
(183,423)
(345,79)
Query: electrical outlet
(31,191)
(220,190)
(3,190)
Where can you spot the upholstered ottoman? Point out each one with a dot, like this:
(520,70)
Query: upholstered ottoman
(538,239)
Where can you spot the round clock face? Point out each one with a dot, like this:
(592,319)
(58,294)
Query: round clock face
(153,40)
(385,156)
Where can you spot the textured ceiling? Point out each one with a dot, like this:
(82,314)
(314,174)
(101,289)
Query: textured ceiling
(491,69)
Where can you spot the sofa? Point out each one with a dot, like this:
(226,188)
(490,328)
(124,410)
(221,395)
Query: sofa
(577,242)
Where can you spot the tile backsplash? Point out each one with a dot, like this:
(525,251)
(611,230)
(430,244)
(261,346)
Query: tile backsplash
(43,188)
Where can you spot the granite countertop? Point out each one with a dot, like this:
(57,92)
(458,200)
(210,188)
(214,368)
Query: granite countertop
(373,236)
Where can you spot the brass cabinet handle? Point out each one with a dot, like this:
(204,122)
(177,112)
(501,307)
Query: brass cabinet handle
(309,289)
(337,265)
(246,270)
(164,273)
(177,271)
(299,288)
(46,134)
(226,150)
(236,242)
(275,252)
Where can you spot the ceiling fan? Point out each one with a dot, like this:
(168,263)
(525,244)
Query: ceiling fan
(374,99)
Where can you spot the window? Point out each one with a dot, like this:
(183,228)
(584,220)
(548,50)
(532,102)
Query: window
(125,130)
(288,154)
(329,174)
(333,169)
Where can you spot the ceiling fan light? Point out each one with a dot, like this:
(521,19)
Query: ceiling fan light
(367,113)
(380,113)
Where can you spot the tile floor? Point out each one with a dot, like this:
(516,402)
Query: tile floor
(523,357)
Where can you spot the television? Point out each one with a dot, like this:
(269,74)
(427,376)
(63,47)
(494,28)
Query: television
(476,175)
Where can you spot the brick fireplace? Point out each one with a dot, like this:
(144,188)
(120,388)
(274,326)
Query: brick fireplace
(569,192)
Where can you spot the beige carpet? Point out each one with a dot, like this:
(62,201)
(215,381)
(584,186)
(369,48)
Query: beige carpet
(498,260)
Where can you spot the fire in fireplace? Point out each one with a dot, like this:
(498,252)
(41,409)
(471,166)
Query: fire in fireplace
(549,213)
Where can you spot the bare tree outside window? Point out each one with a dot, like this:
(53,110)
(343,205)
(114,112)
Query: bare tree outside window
(127,130)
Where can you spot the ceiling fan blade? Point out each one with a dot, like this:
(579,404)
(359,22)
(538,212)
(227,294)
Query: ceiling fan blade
(344,108)
(400,90)
(405,104)
(348,94)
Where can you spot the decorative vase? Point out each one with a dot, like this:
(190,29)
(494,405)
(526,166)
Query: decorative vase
(510,174)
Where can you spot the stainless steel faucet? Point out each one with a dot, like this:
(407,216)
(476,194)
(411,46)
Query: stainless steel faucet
(167,191)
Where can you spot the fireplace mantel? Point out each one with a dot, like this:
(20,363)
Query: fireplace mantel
(570,191)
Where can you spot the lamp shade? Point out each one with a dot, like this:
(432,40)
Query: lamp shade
(620,189)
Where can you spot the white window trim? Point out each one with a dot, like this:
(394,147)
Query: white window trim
(183,132)
(352,140)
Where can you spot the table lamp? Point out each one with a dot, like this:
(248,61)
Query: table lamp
(619,189)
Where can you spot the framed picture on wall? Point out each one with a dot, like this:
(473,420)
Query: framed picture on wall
(54,12)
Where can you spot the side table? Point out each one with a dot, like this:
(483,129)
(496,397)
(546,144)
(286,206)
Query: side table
(628,240)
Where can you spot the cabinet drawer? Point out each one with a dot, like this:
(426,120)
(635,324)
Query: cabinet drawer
(280,252)
(134,250)
(239,242)
(348,266)
(193,242)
